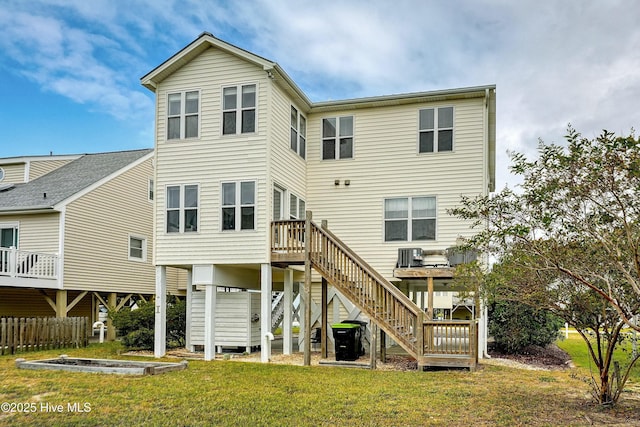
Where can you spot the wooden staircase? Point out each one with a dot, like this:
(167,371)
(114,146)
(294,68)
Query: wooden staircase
(431,343)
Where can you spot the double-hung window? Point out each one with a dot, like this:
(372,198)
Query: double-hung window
(409,219)
(183,110)
(238,205)
(337,138)
(137,248)
(436,130)
(182,208)
(239,109)
(298,132)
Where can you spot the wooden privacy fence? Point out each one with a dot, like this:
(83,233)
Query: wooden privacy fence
(42,333)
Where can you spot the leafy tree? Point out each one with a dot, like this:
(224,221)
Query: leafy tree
(569,241)
(137,326)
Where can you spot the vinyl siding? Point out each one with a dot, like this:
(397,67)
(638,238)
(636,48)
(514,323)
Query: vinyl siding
(13,173)
(233,319)
(97,229)
(386,164)
(39,168)
(288,169)
(210,160)
(38,232)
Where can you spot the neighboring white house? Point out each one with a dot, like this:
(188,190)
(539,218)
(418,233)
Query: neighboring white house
(76,233)
(239,146)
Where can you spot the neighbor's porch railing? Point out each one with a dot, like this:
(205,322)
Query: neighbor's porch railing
(28,264)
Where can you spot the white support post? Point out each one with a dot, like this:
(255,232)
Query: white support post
(188,320)
(483,350)
(160,334)
(265,315)
(210,297)
(287,321)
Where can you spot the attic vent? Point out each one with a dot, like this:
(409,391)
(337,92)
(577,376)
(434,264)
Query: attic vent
(6,187)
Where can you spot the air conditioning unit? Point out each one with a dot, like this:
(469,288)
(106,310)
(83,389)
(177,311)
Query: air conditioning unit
(409,257)
(457,256)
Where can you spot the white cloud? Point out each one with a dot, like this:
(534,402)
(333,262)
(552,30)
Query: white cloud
(553,62)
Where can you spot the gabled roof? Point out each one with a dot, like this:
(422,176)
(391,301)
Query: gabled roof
(208,40)
(49,191)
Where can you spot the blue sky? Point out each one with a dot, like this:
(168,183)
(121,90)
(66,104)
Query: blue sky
(70,69)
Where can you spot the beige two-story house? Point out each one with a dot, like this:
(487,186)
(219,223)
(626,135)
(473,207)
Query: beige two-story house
(242,154)
(76,233)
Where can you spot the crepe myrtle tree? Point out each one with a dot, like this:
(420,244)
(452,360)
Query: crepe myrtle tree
(516,280)
(570,237)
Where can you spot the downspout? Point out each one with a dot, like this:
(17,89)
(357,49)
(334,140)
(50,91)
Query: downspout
(481,308)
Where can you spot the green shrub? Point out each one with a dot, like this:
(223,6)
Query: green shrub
(515,326)
(137,326)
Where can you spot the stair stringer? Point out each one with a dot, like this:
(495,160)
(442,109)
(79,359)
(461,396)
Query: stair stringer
(362,278)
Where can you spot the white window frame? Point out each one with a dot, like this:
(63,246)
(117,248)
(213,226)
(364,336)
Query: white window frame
(298,138)
(181,209)
(2,174)
(151,190)
(183,115)
(280,214)
(143,249)
(16,231)
(436,129)
(239,109)
(297,207)
(409,219)
(338,137)
(238,205)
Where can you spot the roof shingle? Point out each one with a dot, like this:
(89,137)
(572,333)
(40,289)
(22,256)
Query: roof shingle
(58,185)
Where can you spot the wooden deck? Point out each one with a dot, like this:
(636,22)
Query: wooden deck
(430,342)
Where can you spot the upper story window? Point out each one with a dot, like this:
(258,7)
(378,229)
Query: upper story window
(337,138)
(182,208)
(137,248)
(183,112)
(409,219)
(151,191)
(436,130)
(239,109)
(298,132)
(1,174)
(238,205)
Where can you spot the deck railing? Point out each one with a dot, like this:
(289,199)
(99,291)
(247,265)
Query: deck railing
(28,264)
(383,302)
(449,337)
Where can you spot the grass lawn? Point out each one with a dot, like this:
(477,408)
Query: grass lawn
(232,393)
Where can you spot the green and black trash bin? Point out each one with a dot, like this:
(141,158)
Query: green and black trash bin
(347,336)
(363,331)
